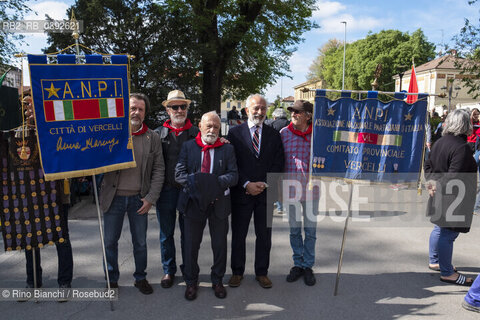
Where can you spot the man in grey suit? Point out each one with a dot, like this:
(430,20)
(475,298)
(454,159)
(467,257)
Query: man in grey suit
(206,169)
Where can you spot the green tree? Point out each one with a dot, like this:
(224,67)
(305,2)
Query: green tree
(158,39)
(209,49)
(10,10)
(243,46)
(317,67)
(392,49)
(467,44)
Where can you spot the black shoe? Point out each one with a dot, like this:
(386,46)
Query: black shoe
(64,297)
(308,277)
(167,281)
(113,285)
(295,274)
(191,292)
(220,291)
(144,286)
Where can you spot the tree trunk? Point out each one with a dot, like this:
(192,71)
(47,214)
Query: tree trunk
(211,88)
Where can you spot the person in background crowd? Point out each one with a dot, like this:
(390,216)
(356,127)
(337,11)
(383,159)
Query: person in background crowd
(450,162)
(474,142)
(206,169)
(437,134)
(133,191)
(243,114)
(233,114)
(174,132)
(434,121)
(297,139)
(279,119)
(259,150)
(472,139)
(278,122)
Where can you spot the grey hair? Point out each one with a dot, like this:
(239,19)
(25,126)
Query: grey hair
(256,95)
(209,114)
(279,113)
(457,123)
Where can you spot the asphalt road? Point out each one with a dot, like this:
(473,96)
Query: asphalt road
(384,273)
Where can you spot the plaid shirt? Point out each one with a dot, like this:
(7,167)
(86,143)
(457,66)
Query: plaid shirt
(297,157)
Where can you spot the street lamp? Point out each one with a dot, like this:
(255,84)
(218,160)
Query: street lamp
(449,88)
(344,45)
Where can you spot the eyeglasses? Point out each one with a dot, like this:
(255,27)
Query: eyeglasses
(182,106)
(297,111)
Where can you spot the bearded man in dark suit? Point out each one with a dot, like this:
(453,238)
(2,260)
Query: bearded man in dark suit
(259,151)
(206,169)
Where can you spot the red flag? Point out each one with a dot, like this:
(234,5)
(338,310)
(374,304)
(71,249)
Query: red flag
(412,87)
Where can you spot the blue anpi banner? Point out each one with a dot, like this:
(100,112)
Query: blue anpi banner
(368,139)
(81,114)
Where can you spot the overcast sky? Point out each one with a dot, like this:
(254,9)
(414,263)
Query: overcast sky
(440,20)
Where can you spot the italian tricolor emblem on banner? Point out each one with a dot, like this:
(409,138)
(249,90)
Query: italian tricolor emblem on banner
(60,110)
(369,138)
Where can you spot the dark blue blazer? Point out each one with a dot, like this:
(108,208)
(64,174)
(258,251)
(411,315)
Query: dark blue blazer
(224,167)
(250,168)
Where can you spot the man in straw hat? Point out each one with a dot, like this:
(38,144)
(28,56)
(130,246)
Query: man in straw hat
(174,132)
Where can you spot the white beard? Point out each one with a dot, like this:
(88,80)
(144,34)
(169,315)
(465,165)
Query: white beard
(210,138)
(257,120)
(135,122)
(178,121)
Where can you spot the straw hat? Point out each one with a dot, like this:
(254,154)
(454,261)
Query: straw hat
(175,95)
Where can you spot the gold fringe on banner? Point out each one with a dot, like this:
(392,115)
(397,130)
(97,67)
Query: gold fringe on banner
(89,172)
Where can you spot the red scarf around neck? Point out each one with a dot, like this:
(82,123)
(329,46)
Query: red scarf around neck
(300,133)
(177,131)
(141,131)
(205,147)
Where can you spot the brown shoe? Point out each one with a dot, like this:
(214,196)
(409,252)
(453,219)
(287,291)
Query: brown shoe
(264,281)
(235,280)
(220,291)
(167,281)
(191,292)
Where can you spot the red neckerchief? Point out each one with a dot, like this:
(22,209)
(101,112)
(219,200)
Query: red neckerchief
(177,131)
(300,133)
(141,131)
(205,147)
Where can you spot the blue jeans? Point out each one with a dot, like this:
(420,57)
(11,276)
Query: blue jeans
(473,295)
(441,249)
(112,225)
(65,259)
(303,249)
(166,215)
(279,206)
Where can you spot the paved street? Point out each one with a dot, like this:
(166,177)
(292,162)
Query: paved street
(384,274)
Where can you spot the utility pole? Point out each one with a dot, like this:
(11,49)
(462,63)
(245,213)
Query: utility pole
(344,47)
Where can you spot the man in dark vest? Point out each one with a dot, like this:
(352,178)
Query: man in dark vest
(174,132)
